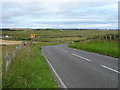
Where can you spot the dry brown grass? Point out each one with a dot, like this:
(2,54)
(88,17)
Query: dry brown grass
(6,42)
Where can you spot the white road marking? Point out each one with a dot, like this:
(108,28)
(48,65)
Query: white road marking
(57,48)
(60,80)
(110,69)
(81,57)
(64,50)
(74,49)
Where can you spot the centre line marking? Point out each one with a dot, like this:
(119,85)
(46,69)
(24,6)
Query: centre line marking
(110,68)
(64,50)
(81,57)
(57,48)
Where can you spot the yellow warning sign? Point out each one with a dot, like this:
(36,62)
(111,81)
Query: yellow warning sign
(32,35)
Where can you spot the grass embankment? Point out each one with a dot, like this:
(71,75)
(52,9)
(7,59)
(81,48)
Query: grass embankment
(28,69)
(101,47)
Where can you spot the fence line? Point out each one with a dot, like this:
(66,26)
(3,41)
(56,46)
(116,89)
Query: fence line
(9,56)
(106,37)
(102,37)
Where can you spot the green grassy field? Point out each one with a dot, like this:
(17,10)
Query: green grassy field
(102,47)
(57,35)
(28,69)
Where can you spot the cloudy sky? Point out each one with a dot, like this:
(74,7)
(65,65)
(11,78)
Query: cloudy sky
(60,14)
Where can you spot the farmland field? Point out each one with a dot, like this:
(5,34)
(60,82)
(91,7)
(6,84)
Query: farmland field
(57,35)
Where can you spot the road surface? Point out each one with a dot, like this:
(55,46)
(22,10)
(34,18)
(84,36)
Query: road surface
(81,69)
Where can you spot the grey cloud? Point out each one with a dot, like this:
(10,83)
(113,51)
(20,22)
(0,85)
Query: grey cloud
(68,13)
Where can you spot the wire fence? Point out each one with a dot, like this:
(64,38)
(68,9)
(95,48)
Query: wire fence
(111,37)
(106,37)
(9,56)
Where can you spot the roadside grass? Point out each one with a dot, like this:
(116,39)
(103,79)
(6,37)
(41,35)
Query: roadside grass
(0,67)
(4,50)
(97,46)
(28,69)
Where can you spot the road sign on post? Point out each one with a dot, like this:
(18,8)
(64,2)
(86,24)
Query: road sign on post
(32,35)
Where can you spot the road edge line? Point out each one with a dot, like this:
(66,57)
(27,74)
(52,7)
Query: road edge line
(58,77)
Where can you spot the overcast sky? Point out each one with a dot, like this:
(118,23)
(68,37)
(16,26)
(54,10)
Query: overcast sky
(60,14)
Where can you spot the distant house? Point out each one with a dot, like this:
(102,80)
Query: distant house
(2,36)
(5,36)
(8,36)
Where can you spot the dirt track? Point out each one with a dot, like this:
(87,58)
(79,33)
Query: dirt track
(6,42)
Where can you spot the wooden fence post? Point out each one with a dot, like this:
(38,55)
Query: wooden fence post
(110,37)
(8,61)
(106,37)
(101,37)
(114,37)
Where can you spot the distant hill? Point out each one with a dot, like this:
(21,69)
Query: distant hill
(6,29)
(24,29)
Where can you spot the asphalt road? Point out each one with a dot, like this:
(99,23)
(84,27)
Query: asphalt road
(81,69)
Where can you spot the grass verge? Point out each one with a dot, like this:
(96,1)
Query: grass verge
(101,47)
(28,69)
